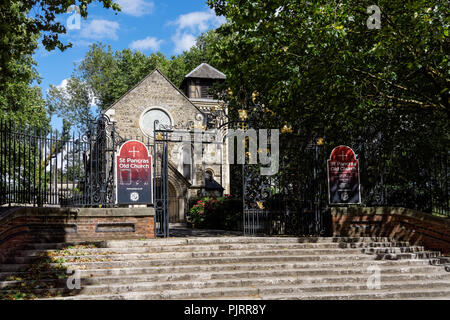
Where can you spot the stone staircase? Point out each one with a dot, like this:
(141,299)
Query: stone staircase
(227,267)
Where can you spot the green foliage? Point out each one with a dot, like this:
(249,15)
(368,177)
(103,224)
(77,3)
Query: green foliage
(321,54)
(22,22)
(21,100)
(72,103)
(108,75)
(197,213)
(215,212)
(318,68)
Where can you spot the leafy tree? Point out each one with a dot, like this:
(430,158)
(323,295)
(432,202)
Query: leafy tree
(110,74)
(101,78)
(107,75)
(203,51)
(73,103)
(20,98)
(323,52)
(21,22)
(317,68)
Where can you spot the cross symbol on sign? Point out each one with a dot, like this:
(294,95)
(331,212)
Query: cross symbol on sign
(343,155)
(134,151)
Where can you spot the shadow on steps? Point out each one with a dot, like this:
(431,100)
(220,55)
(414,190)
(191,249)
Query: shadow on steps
(44,275)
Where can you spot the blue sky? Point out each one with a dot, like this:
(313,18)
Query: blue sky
(169,26)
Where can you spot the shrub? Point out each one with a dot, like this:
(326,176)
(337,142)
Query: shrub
(215,213)
(197,213)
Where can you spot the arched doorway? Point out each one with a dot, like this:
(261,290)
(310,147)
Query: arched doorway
(174,210)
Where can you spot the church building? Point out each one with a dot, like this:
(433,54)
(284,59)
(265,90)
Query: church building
(190,106)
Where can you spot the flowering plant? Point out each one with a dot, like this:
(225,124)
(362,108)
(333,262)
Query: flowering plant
(197,213)
(211,212)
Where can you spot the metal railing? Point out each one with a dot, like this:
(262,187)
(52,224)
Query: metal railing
(256,222)
(49,168)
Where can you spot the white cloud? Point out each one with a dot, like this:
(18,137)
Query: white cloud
(147,43)
(136,8)
(183,42)
(63,84)
(199,21)
(100,29)
(190,25)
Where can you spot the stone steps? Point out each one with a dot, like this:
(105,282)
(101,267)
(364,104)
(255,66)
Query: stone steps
(410,249)
(269,289)
(403,294)
(229,267)
(339,267)
(403,256)
(213,241)
(196,261)
(196,254)
(228,262)
(245,240)
(286,275)
(370,247)
(394,254)
(304,268)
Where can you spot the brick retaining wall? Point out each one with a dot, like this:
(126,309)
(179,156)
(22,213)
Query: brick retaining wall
(397,223)
(26,224)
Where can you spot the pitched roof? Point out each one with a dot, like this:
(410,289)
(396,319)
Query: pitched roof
(140,82)
(212,185)
(206,71)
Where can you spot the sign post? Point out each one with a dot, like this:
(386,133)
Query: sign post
(134,174)
(343,177)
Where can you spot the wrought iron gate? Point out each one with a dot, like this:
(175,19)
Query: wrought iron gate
(294,201)
(46,167)
(273,206)
(161,180)
(163,136)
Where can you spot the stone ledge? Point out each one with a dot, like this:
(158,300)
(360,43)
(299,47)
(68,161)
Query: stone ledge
(77,212)
(396,223)
(367,211)
(116,212)
(22,225)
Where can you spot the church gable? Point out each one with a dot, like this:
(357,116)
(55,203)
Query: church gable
(154,92)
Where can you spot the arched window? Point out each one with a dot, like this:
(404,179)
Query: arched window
(209,175)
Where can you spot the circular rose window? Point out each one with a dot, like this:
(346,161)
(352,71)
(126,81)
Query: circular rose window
(149,117)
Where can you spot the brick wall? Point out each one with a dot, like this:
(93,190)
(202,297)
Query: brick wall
(19,226)
(397,223)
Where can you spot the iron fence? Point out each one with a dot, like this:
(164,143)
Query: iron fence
(402,179)
(46,167)
(256,221)
(42,167)
(288,203)
(295,201)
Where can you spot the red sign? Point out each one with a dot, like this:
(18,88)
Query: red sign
(134,174)
(343,176)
